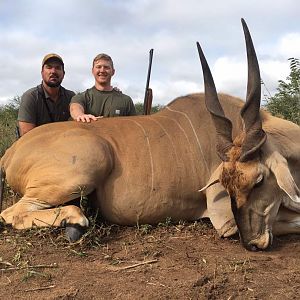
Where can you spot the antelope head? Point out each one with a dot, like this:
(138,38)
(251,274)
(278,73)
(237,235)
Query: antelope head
(245,172)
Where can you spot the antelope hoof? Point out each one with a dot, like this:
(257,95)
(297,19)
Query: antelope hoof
(74,232)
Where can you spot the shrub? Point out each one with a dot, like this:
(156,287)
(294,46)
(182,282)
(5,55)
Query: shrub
(139,107)
(286,102)
(8,122)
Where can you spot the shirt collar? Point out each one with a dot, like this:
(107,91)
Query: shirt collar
(47,95)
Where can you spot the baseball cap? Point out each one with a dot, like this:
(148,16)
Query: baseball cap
(53,56)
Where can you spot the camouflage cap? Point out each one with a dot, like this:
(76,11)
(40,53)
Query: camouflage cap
(52,56)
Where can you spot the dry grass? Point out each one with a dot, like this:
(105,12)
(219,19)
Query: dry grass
(97,237)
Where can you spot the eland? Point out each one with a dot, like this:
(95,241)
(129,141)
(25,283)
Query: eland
(143,169)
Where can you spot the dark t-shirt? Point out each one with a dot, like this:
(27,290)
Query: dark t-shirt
(37,107)
(105,103)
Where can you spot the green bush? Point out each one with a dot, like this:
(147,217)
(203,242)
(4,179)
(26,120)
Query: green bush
(139,107)
(286,102)
(8,122)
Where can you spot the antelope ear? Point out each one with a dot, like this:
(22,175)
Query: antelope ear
(285,180)
(214,178)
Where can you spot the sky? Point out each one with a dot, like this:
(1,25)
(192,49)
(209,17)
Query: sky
(78,30)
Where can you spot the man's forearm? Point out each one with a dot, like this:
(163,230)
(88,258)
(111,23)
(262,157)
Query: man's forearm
(78,114)
(24,127)
(76,110)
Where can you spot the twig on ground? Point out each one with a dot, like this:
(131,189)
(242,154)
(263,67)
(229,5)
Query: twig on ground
(181,237)
(6,263)
(54,265)
(40,288)
(136,265)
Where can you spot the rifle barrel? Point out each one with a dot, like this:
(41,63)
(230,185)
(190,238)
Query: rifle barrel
(148,78)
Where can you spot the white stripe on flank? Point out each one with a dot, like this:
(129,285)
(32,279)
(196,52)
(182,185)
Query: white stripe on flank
(188,141)
(167,134)
(178,124)
(194,131)
(150,153)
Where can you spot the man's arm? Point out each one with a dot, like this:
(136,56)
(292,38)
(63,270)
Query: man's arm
(27,114)
(24,127)
(131,108)
(77,113)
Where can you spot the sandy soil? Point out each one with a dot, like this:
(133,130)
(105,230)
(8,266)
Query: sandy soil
(181,261)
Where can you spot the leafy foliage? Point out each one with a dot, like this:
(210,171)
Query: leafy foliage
(286,102)
(8,122)
(139,107)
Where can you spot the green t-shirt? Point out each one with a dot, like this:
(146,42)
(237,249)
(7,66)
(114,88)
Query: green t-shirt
(36,106)
(105,103)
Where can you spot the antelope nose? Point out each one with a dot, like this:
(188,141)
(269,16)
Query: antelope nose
(263,242)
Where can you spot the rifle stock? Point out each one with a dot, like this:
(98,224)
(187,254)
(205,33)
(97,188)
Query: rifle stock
(148,102)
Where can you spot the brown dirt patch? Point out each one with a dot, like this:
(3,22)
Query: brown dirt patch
(186,261)
(169,261)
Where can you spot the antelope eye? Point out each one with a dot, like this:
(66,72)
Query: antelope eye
(259,181)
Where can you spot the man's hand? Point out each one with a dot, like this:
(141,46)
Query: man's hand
(117,89)
(87,118)
(77,113)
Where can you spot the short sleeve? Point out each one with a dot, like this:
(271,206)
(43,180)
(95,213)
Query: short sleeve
(131,108)
(80,99)
(28,110)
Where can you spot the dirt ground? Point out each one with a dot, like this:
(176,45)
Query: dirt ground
(168,261)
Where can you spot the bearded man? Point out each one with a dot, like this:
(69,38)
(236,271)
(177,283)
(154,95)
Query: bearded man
(49,101)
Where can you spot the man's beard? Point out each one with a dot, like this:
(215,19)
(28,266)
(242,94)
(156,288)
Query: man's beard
(53,84)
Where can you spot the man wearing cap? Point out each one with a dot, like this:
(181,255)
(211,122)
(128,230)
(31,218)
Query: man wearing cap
(49,101)
(102,100)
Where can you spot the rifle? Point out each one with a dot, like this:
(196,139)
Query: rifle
(148,92)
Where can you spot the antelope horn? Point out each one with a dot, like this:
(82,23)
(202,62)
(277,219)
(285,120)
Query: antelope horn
(222,124)
(255,136)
